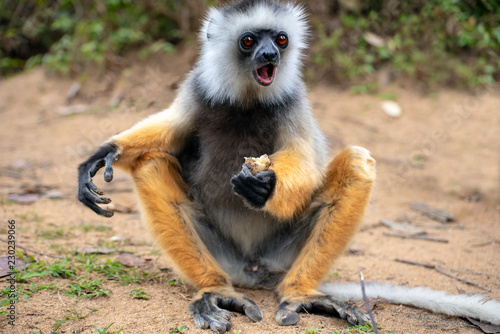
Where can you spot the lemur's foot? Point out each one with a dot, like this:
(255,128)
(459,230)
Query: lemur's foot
(211,309)
(288,310)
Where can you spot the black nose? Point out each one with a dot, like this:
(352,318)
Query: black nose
(270,56)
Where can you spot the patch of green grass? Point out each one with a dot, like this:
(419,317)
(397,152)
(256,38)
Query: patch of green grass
(31,217)
(58,249)
(50,233)
(58,268)
(134,275)
(72,314)
(388,96)
(100,330)
(313,330)
(139,294)
(155,252)
(113,270)
(363,329)
(175,281)
(176,329)
(102,228)
(87,289)
(367,88)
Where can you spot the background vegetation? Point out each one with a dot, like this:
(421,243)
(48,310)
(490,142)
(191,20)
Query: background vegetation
(452,42)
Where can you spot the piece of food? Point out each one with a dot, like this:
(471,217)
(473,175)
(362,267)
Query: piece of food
(257,165)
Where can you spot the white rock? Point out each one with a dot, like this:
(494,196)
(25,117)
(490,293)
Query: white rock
(392,109)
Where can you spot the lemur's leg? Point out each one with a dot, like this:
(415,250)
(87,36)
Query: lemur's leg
(166,209)
(342,202)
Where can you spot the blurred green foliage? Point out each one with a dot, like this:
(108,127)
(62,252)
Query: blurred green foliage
(453,42)
(66,35)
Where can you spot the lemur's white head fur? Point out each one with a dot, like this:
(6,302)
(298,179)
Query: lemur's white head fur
(221,75)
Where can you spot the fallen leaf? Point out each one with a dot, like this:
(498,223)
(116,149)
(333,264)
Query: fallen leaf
(486,328)
(5,266)
(131,260)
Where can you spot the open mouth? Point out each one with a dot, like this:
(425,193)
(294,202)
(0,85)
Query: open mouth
(265,74)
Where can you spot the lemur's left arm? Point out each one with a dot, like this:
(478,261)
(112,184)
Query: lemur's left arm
(286,189)
(298,175)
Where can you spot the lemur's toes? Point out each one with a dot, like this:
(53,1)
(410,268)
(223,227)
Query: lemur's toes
(208,315)
(211,310)
(287,311)
(287,314)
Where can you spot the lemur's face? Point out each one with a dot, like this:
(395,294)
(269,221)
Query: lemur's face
(252,51)
(262,50)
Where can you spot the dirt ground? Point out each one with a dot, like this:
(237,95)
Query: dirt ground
(443,150)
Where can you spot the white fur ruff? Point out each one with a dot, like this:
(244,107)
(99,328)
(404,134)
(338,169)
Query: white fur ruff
(472,306)
(222,77)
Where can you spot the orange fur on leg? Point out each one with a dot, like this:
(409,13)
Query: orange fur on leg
(344,198)
(163,198)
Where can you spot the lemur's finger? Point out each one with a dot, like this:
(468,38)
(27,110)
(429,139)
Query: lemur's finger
(108,170)
(95,167)
(96,208)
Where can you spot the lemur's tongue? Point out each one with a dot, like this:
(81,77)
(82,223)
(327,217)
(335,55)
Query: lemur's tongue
(266,74)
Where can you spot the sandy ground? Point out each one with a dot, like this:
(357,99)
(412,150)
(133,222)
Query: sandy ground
(443,150)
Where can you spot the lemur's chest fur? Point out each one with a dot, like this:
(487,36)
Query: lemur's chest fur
(223,137)
(225,134)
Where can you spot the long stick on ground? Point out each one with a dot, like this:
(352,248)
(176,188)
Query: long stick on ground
(32,250)
(444,272)
(367,304)
(419,237)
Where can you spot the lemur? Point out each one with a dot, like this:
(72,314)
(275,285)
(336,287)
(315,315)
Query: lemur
(221,225)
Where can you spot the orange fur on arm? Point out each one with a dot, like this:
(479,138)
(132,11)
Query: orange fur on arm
(161,132)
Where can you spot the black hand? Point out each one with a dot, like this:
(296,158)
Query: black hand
(87,191)
(256,189)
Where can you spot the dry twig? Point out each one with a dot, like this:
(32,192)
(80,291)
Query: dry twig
(33,251)
(436,214)
(444,272)
(419,237)
(367,304)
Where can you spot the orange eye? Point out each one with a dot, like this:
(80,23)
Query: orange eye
(247,41)
(282,40)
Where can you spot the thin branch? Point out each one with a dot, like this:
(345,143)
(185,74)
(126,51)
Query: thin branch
(444,272)
(367,304)
(58,295)
(163,312)
(32,250)
(436,214)
(419,237)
